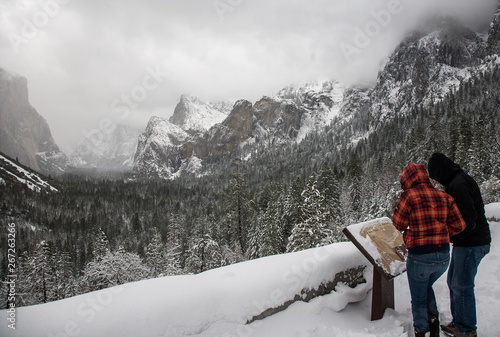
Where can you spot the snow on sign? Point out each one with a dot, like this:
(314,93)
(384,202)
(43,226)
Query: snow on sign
(381,243)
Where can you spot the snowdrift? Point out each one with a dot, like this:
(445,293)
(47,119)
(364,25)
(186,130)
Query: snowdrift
(191,304)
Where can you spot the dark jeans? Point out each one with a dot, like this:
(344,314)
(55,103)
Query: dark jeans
(461,275)
(423,270)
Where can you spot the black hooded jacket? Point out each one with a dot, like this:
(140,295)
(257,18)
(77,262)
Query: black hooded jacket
(467,195)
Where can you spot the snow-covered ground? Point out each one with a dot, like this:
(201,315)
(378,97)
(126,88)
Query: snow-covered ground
(220,301)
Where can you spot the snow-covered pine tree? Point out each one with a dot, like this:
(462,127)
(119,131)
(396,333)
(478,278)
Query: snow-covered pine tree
(355,175)
(236,206)
(44,276)
(479,157)
(253,249)
(490,190)
(464,143)
(454,136)
(312,231)
(329,187)
(155,253)
(113,269)
(204,254)
(175,246)
(270,230)
(101,245)
(291,215)
(494,141)
(434,137)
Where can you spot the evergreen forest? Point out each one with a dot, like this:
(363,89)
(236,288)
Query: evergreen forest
(98,232)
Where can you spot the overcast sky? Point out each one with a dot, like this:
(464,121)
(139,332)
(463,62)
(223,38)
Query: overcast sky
(89,62)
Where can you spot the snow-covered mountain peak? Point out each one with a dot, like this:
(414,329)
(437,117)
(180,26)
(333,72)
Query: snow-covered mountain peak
(154,144)
(302,92)
(425,67)
(194,115)
(110,149)
(165,132)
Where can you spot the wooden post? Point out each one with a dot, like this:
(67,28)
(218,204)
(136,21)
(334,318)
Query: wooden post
(383,282)
(382,295)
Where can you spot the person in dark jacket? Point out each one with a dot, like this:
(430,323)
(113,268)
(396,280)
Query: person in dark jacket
(427,217)
(469,247)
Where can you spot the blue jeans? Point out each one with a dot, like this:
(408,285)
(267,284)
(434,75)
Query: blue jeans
(423,270)
(461,275)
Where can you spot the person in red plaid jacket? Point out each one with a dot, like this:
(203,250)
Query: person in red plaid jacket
(427,217)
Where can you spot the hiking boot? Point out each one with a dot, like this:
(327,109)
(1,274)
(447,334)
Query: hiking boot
(449,328)
(452,330)
(433,324)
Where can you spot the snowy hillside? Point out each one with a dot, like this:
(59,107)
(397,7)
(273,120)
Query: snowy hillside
(220,301)
(425,67)
(12,173)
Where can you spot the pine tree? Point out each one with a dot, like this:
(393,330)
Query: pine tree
(433,140)
(253,249)
(328,185)
(136,223)
(101,245)
(204,254)
(291,210)
(354,174)
(237,206)
(44,276)
(454,137)
(155,253)
(464,143)
(270,231)
(176,246)
(312,231)
(38,275)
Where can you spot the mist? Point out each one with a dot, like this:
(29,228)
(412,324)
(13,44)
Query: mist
(90,62)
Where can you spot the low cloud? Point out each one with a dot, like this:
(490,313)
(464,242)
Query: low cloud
(79,56)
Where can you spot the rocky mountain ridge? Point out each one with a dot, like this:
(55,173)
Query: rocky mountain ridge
(287,116)
(24,133)
(423,69)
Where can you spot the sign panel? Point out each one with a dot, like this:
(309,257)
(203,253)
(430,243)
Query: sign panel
(381,243)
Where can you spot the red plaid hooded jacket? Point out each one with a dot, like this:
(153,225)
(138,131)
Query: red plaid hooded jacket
(425,215)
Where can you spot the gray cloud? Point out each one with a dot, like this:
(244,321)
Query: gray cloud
(84,58)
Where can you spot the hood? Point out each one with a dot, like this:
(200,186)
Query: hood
(413,175)
(442,168)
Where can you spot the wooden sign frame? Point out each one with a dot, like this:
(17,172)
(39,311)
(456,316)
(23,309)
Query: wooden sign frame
(382,244)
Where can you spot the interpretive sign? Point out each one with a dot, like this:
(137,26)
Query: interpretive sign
(383,245)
